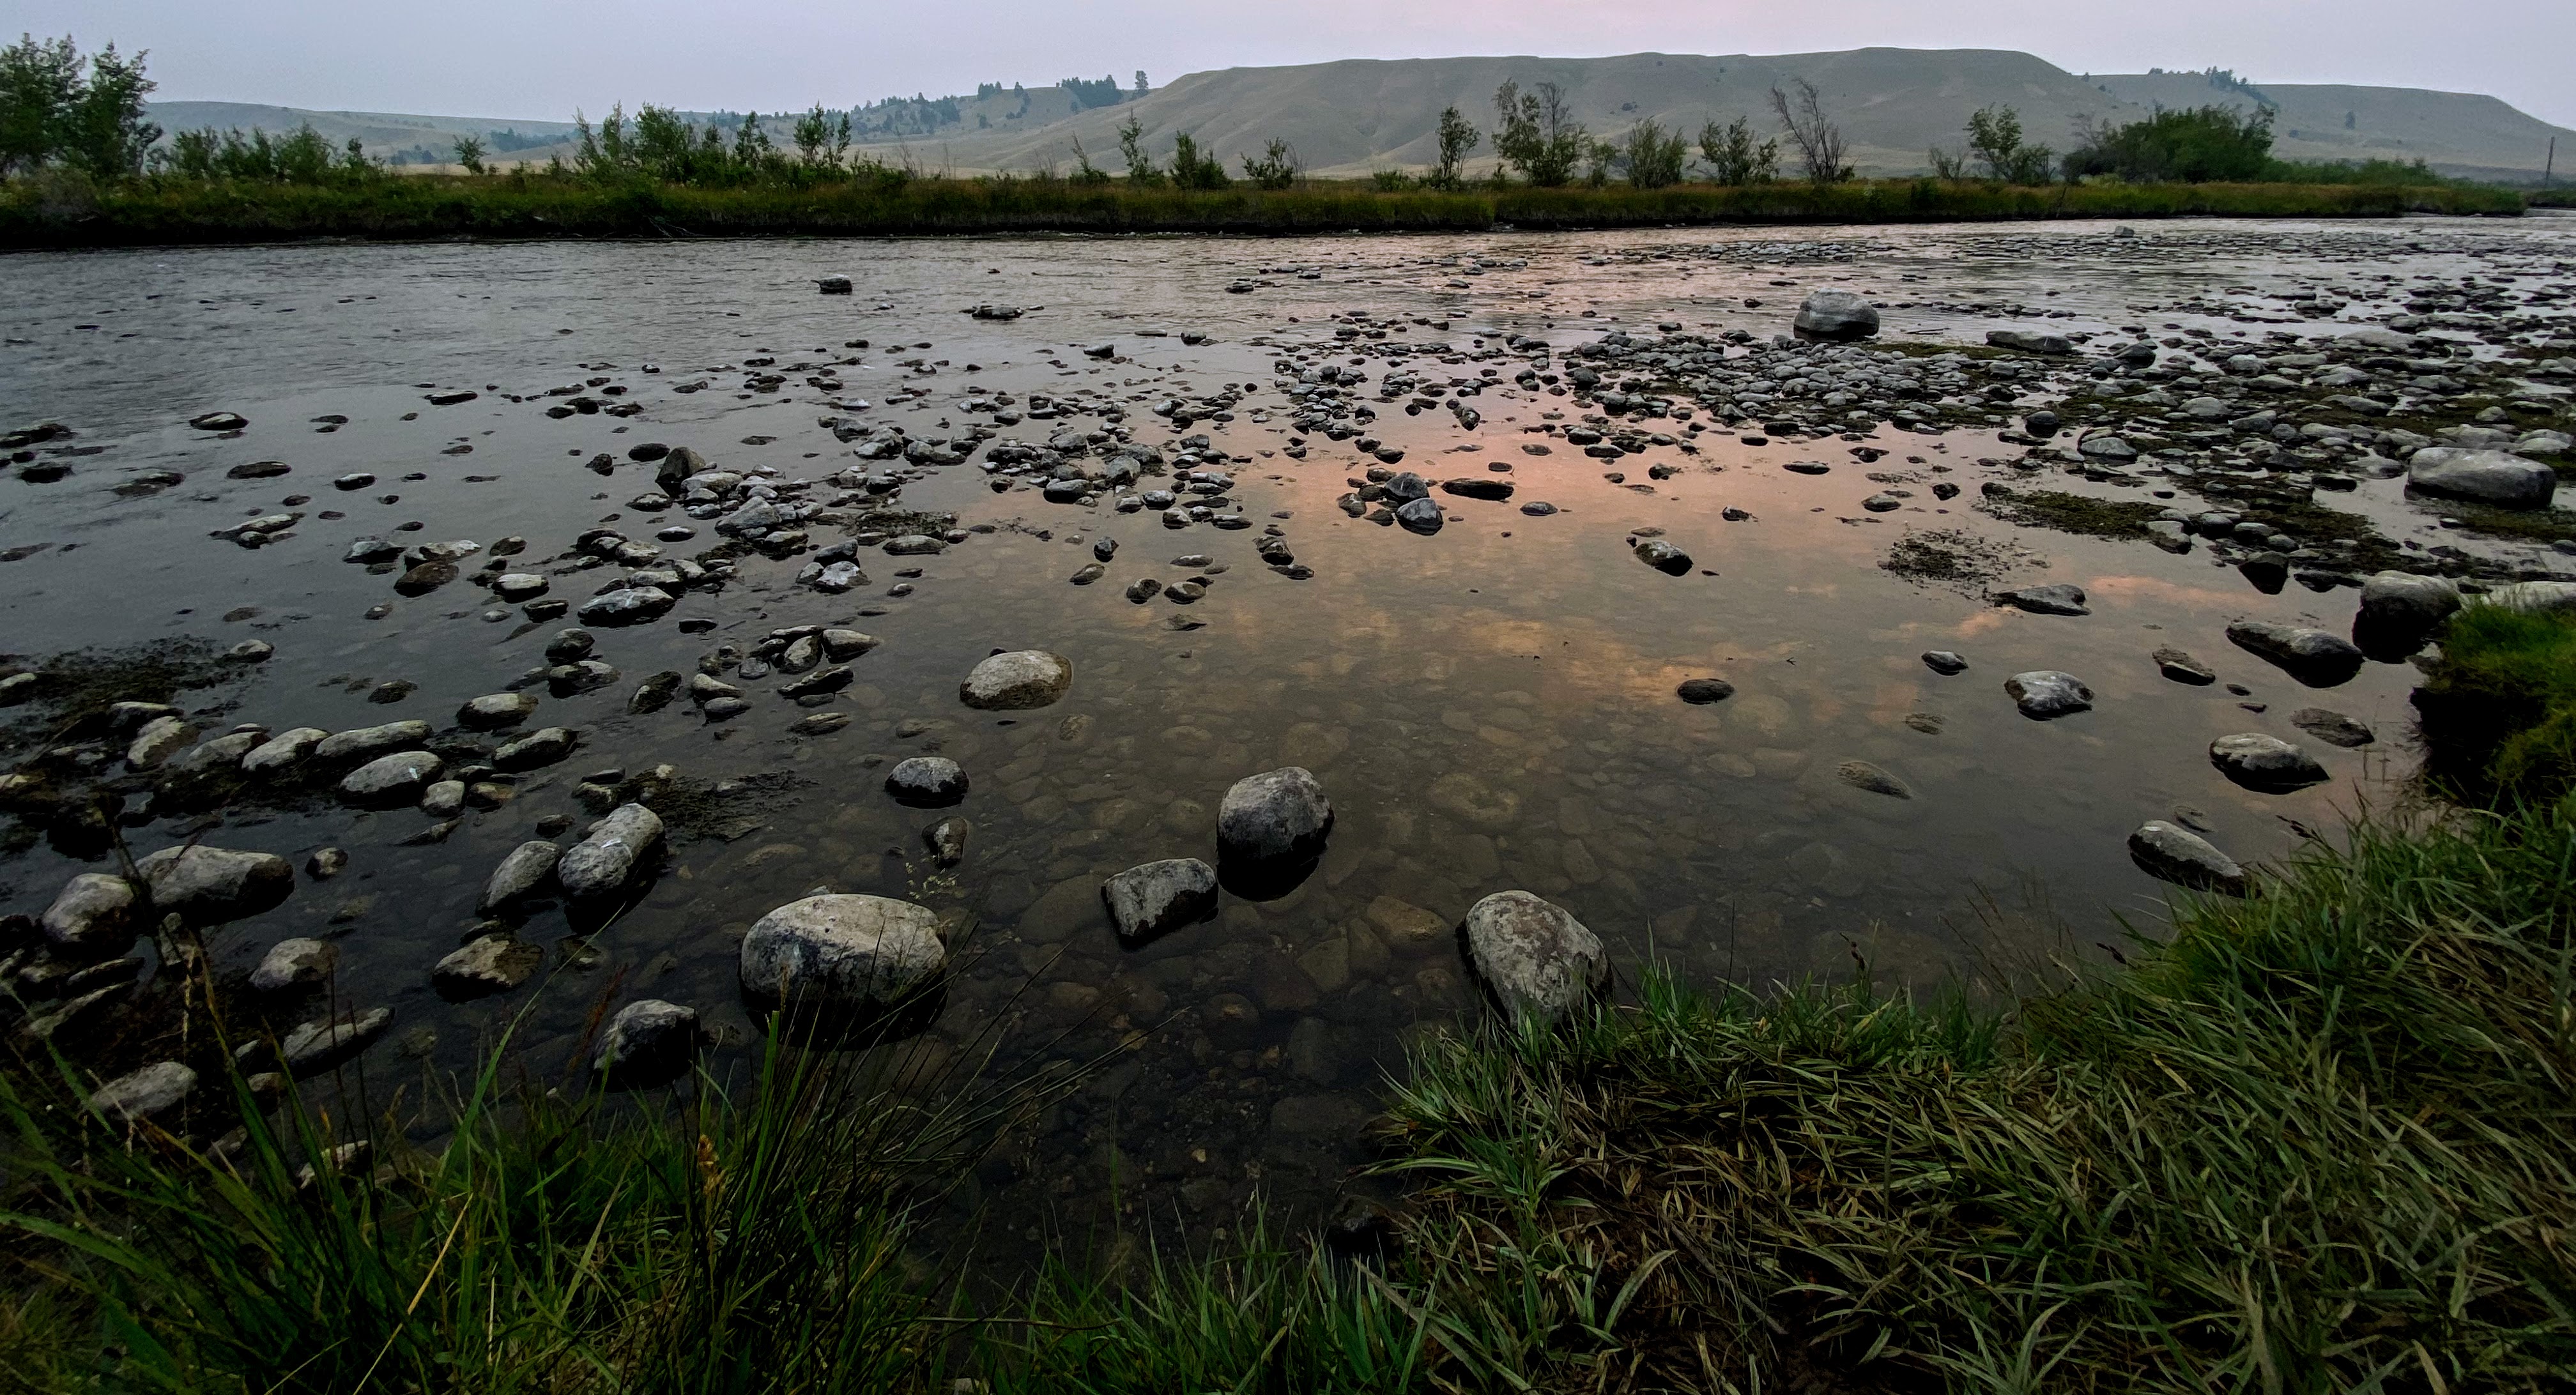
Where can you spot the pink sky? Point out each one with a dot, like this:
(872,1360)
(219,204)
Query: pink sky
(542,59)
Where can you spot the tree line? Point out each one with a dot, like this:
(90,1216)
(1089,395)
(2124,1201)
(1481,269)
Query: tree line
(62,110)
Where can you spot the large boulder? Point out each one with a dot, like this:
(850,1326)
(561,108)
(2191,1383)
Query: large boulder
(842,953)
(1836,317)
(1157,898)
(92,915)
(2533,596)
(2493,477)
(1534,955)
(1022,678)
(2170,852)
(611,853)
(1279,817)
(208,886)
(2265,763)
(2314,657)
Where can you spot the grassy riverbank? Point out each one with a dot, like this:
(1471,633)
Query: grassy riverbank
(2311,1140)
(65,212)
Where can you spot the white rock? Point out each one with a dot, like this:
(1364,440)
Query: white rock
(1021,679)
(842,952)
(1534,955)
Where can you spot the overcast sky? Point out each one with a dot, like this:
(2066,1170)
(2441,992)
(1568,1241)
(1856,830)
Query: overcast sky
(542,59)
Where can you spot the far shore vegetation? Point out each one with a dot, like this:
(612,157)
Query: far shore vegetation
(81,166)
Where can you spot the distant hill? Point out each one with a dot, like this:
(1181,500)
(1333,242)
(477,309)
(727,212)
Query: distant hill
(1359,115)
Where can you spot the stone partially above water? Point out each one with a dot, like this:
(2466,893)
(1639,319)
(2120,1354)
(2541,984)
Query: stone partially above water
(2058,599)
(648,1042)
(1017,680)
(209,886)
(484,966)
(1152,900)
(93,914)
(1534,955)
(149,1093)
(294,964)
(1664,557)
(1699,692)
(1943,662)
(1279,817)
(927,782)
(2496,477)
(529,867)
(2044,694)
(842,953)
(632,605)
(366,743)
(2170,852)
(1835,316)
(2181,667)
(611,853)
(2265,763)
(2313,657)
(2333,728)
(393,779)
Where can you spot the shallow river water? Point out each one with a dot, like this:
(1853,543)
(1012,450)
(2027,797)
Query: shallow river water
(1489,707)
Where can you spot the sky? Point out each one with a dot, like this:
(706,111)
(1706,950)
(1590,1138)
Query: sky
(545,59)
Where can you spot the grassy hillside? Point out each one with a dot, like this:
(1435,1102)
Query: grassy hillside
(2456,132)
(34,215)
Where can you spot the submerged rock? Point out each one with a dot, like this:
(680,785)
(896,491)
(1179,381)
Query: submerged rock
(2059,599)
(1861,775)
(484,966)
(2175,854)
(842,953)
(1534,955)
(2333,728)
(1152,900)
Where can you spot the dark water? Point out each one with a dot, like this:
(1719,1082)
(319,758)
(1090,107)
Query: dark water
(1491,707)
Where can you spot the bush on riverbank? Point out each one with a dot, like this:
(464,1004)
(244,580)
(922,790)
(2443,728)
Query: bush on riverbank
(2314,1140)
(66,212)
(2499,707)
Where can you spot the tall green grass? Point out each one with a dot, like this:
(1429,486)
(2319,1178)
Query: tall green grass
(2498,708)
(61,212)
(2317,1139)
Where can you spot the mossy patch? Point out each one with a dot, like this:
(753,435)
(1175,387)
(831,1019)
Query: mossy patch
(2535,525)
(1954,558)
(2061,512)
(77,687)
(724,810)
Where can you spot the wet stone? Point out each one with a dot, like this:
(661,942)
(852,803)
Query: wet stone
(1149,901)
(2178,855)
(2265,763)
(2044,694)
(926,781)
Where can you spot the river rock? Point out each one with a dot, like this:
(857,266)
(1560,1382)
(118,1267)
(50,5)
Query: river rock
(611,853)
(1699,692)
(149,1093)
(2495,477)
(1835,317)
(1279,817)
(1944,662)
(208,886)
(2313,657)
(2170,852)
(2030,342)
(528,867)
(947,840)
(1152,900)
(630,605)
(2265,763)
(2181,667)
(159,739)
(1861,775)
(484,966)
(1013,681)
(393,779)
(1664,557)
(2046,693)
(542,747)
(444,799)
(495,711)
(293,964)
(366,743)
(845,953)
(2399,610)
(93,914)
(2058,599)
(514,587)
(653,694)
(927,782)
(648,1042)
(2333,728)
(1420,516)
(2533,597)
(318,1045)
(1534,955)
(282,753)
